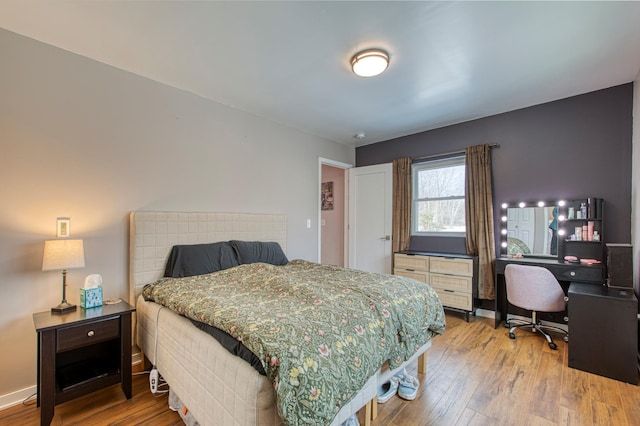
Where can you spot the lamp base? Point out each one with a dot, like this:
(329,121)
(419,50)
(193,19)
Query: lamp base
(63,308)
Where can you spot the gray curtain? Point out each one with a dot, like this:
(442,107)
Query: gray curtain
(479,216)
(401,204)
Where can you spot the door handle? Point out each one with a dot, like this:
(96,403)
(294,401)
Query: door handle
(386,238)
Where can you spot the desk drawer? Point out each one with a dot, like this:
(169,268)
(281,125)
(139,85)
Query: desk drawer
(581,273)
(454,299)
(451,282)
(451,266)
(87,334)
(416,275)
(411,262)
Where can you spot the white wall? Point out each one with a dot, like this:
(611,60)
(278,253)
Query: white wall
(92,142)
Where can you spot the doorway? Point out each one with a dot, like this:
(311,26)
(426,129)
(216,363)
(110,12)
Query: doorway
(333,213)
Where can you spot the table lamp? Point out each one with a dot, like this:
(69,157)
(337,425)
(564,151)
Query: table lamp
(63,255)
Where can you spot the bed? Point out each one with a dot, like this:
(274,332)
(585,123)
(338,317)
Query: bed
(217,386)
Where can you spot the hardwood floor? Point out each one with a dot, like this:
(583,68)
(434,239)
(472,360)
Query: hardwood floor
(476,376)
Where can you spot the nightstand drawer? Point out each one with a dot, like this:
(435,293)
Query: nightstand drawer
(87,334)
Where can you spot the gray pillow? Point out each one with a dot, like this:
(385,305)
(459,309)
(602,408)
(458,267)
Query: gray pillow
(258,251)
(199,259)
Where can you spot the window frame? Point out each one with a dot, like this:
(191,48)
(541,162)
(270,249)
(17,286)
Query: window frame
(456,160)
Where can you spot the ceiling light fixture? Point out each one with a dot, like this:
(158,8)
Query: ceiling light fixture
(370,62)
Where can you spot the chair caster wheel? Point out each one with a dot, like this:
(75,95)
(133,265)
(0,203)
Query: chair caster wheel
(507,325)
(512,335)
(565,338)
(553,346)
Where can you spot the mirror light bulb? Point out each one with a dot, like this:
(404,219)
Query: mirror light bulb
(522,205)
(561,203)
(504,232)
(504,244)
(505,205)
(504,218)
(540,203)
(560,231)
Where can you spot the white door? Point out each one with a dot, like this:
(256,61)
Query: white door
(370,210)
(521,225)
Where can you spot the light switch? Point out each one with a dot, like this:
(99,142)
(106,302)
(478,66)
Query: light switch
(308,223)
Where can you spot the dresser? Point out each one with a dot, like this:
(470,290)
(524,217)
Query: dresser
(452,276)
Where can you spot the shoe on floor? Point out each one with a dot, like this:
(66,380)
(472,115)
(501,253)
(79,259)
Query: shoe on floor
(408,387)
(387,390)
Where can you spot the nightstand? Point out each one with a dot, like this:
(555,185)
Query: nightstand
(80,352)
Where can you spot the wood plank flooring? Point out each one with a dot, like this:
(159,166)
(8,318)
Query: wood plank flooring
(476,376)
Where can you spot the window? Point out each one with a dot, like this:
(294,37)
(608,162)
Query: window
(438,197)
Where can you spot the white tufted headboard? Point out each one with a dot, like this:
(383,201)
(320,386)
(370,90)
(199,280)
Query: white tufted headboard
(153,234)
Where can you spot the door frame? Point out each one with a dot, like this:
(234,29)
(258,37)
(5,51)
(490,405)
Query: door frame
(340,165)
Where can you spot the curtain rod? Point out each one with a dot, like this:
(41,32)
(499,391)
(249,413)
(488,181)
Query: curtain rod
(446,154)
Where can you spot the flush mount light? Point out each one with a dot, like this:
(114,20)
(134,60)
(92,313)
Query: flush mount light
(370,62)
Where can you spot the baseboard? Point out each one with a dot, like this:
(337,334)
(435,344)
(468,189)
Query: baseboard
(15,398)
(485,313)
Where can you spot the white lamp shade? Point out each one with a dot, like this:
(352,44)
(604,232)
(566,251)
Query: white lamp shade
(63,254)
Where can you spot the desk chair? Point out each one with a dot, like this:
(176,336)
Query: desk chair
(536,289)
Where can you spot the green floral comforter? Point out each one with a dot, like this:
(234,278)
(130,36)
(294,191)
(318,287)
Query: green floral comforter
(320,331)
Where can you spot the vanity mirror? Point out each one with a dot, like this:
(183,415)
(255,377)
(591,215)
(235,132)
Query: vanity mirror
(530,228)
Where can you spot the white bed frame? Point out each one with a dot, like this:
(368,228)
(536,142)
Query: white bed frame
(216,386)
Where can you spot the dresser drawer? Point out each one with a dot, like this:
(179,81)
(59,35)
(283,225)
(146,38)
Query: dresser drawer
(452,266)
(451,282)
(453,299)
(411,262)
(87,334)
(416,275)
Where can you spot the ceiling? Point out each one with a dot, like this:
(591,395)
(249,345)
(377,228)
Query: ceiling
(288,62)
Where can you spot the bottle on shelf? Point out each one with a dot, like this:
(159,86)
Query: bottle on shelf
(583,210)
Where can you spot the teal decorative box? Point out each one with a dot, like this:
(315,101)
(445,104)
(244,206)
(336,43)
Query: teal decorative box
(91,297)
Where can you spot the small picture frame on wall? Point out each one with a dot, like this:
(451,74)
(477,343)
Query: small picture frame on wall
(63,227)
(327,196)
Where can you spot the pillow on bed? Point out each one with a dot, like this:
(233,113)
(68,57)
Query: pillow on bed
(199,259)
(258,251)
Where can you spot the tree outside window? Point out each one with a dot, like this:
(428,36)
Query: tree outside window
(438,197)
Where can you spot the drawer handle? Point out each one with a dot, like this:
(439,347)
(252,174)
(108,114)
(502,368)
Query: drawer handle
(412,270)
(90,333)
(449,291)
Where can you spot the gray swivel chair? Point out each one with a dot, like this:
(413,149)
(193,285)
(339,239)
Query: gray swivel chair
(536,289)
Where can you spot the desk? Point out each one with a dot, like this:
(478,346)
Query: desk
(564,273)
(604,326)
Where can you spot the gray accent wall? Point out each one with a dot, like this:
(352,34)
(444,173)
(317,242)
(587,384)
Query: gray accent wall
(572,148)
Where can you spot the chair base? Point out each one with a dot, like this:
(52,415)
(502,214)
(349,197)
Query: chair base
(536,325)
